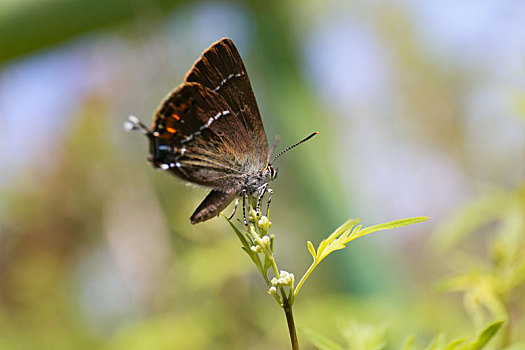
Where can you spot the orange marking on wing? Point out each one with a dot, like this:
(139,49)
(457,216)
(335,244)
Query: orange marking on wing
(171,130)
(175,116)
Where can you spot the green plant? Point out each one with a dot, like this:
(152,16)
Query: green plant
(258,243)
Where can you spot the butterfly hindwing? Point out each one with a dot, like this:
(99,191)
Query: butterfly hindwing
(212,205)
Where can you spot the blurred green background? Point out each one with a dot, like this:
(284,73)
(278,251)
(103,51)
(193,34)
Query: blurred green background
(420,107)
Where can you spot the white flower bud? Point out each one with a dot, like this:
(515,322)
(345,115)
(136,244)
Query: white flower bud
(286,278)
(290,279)
(274,281)
(264,224)
(256,249)
(265,241)
(253,215)
(272,290)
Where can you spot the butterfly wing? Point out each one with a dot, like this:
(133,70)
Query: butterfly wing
(199,138)
(209,131)
(211,206)
(221,70)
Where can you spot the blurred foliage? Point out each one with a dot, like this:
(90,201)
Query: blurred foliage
(57,20)
(492,280)
(372,337)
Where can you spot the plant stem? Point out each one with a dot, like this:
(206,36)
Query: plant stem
(274,266)
(303,279)
(291,324)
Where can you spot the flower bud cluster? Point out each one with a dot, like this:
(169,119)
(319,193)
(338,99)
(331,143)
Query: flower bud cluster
(285,279)
(264,224)
(258,229)
(260,221)
(262,244)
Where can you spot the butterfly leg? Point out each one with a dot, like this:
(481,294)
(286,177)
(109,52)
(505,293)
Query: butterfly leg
(234,208)
(270,194)
(262,191)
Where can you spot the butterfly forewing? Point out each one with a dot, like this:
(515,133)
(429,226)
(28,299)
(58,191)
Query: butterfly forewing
(221,70)
(201,140)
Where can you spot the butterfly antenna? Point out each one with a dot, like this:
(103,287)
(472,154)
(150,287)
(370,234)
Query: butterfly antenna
(133,123)
(293,146)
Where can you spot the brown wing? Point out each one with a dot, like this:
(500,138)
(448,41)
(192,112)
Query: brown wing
(221,70)
(199,138)
(211,206)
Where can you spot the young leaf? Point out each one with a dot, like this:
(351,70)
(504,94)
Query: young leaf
(484,337)
(311,249)
(389,225)
(239,234)
(246,246)
(453,345)
(340,238)
(348,232)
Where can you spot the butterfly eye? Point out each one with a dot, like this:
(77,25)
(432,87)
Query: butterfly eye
(272,171)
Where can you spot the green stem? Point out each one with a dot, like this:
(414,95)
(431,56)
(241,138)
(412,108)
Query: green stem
(274,266)
(303,279)
(287,306)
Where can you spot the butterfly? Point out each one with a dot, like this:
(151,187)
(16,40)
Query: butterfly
(209,132)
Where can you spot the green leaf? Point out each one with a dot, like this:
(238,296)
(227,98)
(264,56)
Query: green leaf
(246,245)
(320,341)
(311,249)
(347,232)
(347,226)
(454,344)
(484,337)
(239,234)
(344,234)
(267,264)
(392,224)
